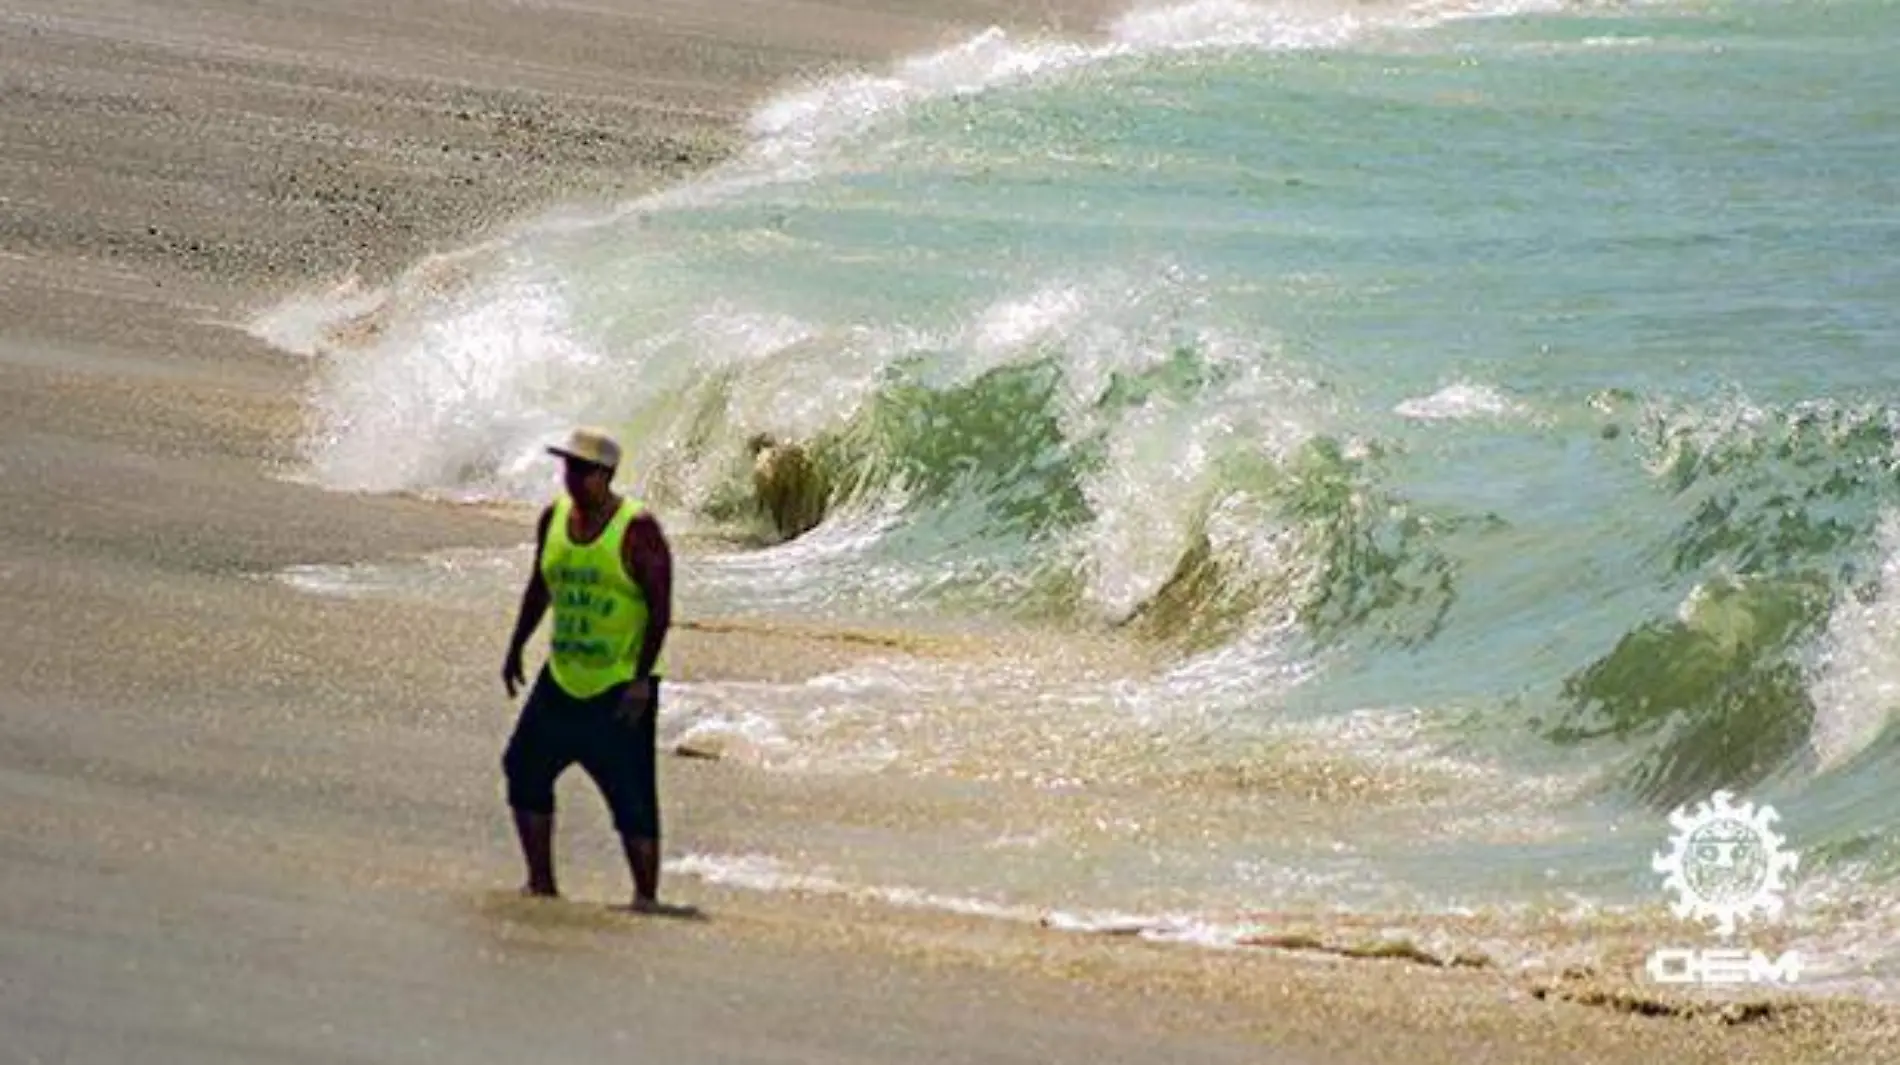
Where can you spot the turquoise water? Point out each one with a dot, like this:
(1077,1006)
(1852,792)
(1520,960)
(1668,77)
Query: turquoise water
(1520,382)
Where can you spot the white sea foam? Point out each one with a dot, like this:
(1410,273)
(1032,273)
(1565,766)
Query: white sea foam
(465,574)
(446,402)
(1458,402)
(1856,689)
(1201,930)
(301,324)
(757,872)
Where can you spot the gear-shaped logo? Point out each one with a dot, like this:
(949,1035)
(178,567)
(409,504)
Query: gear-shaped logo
(1727,863)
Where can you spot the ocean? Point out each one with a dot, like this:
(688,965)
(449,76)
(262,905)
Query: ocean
(1391,456)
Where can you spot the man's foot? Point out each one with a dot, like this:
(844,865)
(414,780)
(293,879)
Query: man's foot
(541,891)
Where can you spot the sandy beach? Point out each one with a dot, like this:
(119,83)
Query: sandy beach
(243,823)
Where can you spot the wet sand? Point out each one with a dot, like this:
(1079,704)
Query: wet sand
(243,823)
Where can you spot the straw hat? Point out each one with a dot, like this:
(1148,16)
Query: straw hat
(589,445)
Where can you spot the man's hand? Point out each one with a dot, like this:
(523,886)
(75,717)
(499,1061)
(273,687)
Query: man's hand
(512,675)
(638,701)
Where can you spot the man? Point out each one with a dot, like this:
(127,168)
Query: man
(602,562)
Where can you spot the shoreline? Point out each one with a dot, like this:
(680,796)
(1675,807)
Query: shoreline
(306,803)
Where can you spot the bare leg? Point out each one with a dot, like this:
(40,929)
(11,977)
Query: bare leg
(537,846)
(643,860)
(643,857)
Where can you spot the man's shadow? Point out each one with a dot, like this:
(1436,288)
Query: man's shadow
(518,907)
(675,910)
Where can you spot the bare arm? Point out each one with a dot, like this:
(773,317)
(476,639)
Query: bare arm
(534,606)
(649,561)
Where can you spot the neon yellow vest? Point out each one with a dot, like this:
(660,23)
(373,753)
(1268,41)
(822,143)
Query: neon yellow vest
(600,614)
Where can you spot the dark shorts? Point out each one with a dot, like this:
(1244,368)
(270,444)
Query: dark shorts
(556,730)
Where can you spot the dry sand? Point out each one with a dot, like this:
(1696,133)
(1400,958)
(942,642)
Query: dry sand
(238,823)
